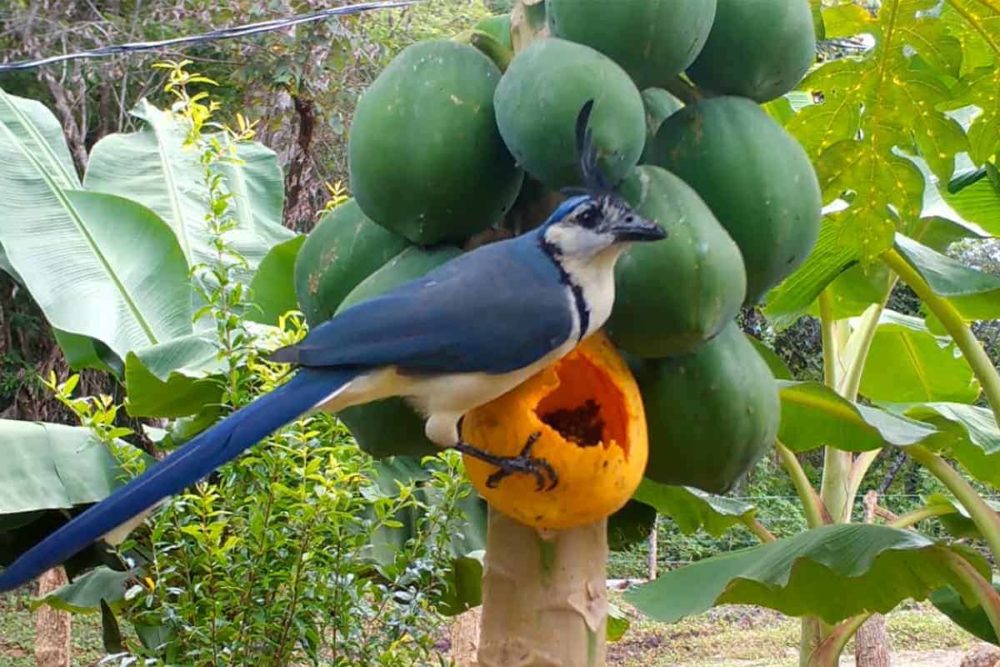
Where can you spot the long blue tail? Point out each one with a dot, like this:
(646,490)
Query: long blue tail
(206,452)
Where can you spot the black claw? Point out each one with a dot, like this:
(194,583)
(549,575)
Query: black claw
(523,463)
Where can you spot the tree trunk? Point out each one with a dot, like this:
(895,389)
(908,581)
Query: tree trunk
(871,644)
(544,597)
(53,629)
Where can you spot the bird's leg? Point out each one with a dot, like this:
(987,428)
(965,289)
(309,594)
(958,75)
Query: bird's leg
(523,463)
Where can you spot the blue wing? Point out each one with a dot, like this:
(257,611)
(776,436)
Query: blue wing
(209,450)
(494,310)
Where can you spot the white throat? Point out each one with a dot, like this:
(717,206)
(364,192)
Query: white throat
(595,277)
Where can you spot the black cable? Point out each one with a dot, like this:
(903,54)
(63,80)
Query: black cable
(223,33)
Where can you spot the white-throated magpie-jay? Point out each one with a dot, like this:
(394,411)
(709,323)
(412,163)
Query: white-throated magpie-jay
(462,335)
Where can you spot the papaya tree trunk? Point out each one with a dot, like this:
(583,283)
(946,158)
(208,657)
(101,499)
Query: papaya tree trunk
(544,596)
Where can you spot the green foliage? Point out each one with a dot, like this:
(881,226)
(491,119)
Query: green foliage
(833,572)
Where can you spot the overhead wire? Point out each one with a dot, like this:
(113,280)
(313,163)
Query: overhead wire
(211,36)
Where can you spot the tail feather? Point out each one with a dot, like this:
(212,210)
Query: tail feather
(206,452)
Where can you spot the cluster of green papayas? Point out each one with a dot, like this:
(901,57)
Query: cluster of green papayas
(459,137)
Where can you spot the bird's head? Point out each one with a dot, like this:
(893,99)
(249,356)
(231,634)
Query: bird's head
(595,217)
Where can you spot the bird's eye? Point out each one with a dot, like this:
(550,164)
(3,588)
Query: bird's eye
(588,217)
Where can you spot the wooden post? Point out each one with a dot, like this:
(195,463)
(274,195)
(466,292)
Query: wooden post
(654,554)
(53,628)
(545,598)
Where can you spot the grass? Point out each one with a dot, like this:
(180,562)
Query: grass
(731,636)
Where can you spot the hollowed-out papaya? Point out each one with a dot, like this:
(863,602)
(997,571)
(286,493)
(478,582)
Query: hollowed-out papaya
(753,175)
(659,105)
(425,157)
(759,49)
(712,414)
(673,295)
(391,427)
(653,40)
(540,96)
(343,249)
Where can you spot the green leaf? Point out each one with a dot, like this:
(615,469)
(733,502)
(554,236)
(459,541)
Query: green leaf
(49,466)
(978,203)
(111,634)
(832,572)
(875,105)
(618,623)
(273,286)
(693,509)
(971,619)
(975,294)
(173,379)
(957,520)
(967,433)
(86,592)
(908,363)
(465,584)
(829,258)
(777,365)
(630,525)
(813,416)
(97,265)
(154,167)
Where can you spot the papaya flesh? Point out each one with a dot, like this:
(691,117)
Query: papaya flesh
(755,177)
(673,295)
(391,427)
(653,40)
(424,155)
(711,415)
(343,249)
(540,96)
(759,49)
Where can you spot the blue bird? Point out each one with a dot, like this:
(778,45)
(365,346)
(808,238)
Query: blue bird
(455,339)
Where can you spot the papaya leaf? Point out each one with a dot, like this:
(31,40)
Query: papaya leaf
(971,619)
(908,363)
(975,294)
(877,105)
(693,509)
(154,167)
(977,25)
(465,584)
(51,466)
(813,416)
(832,572)
(173,379)
(630,525)
(85,594)
(273,286)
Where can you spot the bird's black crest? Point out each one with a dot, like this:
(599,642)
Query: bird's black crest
(595,181)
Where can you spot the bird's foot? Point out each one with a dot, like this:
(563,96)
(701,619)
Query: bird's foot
(524,463)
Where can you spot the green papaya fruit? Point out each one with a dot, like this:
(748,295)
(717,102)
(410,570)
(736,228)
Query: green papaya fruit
(711,415)
(673,295)
(497,27)
(425,158)
(659,105)
(539,99)
(391,427)
(755,177)
(759,49)
(653,40)
(343,249)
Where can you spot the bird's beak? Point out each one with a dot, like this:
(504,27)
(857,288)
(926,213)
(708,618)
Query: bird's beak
(638,229)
